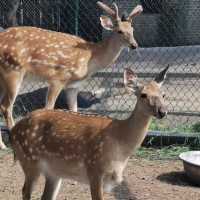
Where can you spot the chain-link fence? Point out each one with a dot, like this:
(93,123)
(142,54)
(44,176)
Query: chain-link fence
(168,33)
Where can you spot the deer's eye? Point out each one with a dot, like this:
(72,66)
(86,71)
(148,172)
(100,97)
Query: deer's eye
(120,32)
(163,95)
(143,95)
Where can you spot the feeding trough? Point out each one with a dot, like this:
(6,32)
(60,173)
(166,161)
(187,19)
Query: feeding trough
(191,163)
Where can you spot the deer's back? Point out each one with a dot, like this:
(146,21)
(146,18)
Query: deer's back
(59,131)
(47,53)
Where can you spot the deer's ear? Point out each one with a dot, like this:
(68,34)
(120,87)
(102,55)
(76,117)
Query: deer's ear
(131,82)
(160,78)
(136,11)
(106,23)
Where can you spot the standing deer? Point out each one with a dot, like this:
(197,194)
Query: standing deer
(62,59)
(12,14)
(85,148)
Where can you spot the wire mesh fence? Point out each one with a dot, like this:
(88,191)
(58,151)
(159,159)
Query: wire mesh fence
(168,33)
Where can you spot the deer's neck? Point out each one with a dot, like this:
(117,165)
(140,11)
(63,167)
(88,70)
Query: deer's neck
(105,52)
(133,131)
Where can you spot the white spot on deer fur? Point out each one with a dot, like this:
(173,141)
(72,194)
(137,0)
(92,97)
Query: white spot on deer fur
(84,142)
(27,131)
(28,158)
(33,134)
(12,53)
(23,51)
(89,161)
(33,157)
(82,59)
(5,46)
(17,67)
(36,127)
(53,133)
(6,63)
(54,58)
(79,147)
(101,144)
(33,48)
(43,147)
(13,48)
(66,157)
(61,148)
(22,133)
(29,59)
(61,54)
(40,138)
(37,37)
(26,142)
(50,45)
(30,150)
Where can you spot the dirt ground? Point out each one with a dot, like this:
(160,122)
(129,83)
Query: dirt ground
(152,180)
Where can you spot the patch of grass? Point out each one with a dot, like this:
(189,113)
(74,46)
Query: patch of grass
(183,128)
(196,127)
(164,153)
(158,126)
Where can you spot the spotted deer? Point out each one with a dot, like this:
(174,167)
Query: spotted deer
(64,60)
(89,149)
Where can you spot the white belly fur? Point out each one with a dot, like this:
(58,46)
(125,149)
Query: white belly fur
(115,177)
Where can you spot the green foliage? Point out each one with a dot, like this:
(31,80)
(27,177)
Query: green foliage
(158,126)
(196,127)
(182,128)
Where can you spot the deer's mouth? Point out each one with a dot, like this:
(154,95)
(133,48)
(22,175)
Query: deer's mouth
(132,46)
(160,114)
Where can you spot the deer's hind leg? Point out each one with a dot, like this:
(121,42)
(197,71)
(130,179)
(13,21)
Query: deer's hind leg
(30,180)
(52,187)
(10,84)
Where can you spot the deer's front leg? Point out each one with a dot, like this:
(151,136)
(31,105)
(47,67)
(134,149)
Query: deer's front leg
(54,90)
(96,187)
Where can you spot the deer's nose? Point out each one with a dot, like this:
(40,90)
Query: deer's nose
(162,112)
(134,45)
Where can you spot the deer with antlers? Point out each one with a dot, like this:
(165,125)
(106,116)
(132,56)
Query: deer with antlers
(85,148)
(62,59)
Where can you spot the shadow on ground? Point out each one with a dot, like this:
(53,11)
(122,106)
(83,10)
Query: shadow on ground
(176,178)
(30,101)
(122,192)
